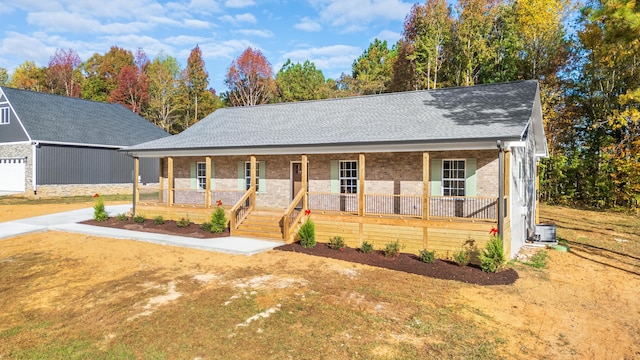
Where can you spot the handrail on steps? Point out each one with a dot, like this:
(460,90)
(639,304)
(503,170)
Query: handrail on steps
(237,213)
(287,222)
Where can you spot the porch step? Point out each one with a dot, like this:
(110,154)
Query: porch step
(263,224)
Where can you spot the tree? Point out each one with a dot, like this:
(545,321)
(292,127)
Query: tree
(132,90)
(4,76)
(164,106)
(296,82)
(539,23)
(64,73)
(428,30)
(374,68)
(102,71)
(194,82)
(470,47)
(28,76)
(250,79)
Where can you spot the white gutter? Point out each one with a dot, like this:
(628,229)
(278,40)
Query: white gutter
(33,165)
(80,144)
(288,150)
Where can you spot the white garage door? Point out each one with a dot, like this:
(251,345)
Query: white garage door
(12,174)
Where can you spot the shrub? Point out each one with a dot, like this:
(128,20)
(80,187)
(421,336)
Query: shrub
(462,257)
(427,256)
(366,247)
(336,243)
(205,226)
(539,260)
(307,234)
(99,213)
(158,220)
(183,223)
(492,258)
(218,220)
(121,217)
(138,219)
(392,248)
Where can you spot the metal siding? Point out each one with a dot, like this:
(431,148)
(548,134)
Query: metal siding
(82,165)
(149,170)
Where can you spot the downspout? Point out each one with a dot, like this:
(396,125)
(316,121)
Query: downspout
(34,183)
(500,189)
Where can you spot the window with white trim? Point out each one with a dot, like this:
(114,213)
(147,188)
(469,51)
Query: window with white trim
(453,177)
(247,175)
(4,115)
(348,176)
(201,175)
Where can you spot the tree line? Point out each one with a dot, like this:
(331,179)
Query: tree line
(585,59)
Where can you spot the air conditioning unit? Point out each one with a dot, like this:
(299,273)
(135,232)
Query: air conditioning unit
(545,233)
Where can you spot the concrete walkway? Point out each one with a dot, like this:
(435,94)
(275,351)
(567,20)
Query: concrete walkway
(68,222)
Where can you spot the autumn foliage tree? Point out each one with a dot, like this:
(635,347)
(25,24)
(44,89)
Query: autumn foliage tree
(250,79)
(64,73)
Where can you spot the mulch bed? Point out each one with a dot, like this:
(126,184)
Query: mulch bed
(410,263)
(169,227)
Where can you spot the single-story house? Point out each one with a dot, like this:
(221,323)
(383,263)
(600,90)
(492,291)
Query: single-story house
(435,169)
(58,145)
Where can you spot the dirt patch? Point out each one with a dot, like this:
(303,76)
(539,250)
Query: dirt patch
(411,264)
(72,294)
(169,228)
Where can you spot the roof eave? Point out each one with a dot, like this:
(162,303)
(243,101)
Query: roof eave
(440,145)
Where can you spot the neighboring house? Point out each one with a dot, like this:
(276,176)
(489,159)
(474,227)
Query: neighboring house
(428,168)
(57,145)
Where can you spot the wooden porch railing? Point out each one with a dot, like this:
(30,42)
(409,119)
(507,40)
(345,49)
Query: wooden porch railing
(241,209)
(292,216)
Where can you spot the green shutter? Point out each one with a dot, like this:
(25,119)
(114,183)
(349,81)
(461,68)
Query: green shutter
(470,183)
(213,176)
(436,177)
(335,182)
(242,185)
(192,175)
(262,182)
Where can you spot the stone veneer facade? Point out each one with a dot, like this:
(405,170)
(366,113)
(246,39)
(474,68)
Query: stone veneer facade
(25,150)
(385,173)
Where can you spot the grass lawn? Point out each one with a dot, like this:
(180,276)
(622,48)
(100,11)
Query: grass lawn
(73,296)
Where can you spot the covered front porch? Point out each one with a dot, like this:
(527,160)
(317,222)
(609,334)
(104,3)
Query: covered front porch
(439,201)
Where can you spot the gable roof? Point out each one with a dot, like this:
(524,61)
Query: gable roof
(463,114)
(60,119)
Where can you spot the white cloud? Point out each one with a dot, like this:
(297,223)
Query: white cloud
(73,23)
(259,33)
(199,24)
(204,6)
(25,47)
(226,50)
(307,24)
(328,57)
(353,12)
(239,3)
(240,18)
(183,40)
(391,36)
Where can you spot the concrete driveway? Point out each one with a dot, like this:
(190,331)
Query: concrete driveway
(69,222)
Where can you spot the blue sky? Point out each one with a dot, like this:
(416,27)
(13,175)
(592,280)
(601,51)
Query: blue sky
(330,33)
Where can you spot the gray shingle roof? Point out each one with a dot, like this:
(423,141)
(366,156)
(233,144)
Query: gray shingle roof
(55,118)
(496,111)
